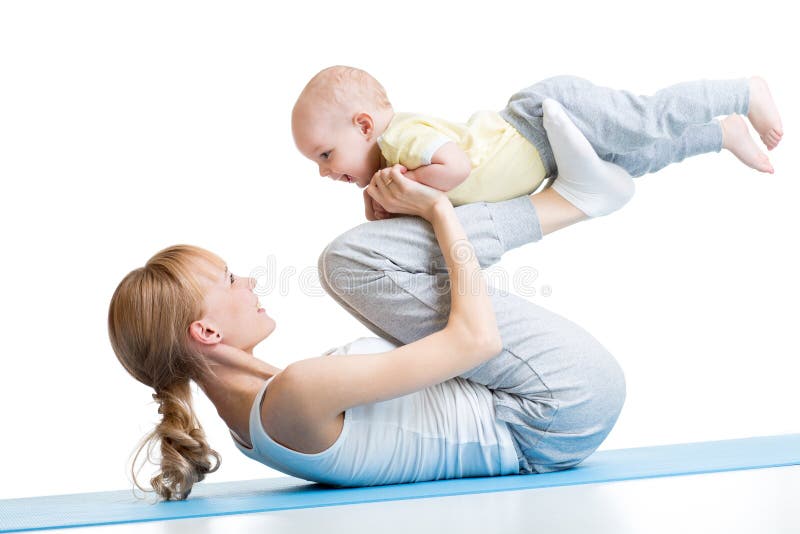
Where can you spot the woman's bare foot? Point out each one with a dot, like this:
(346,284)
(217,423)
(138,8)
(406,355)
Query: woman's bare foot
(736,138)
(763,113)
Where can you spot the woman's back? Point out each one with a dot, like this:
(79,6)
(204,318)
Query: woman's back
(446,431)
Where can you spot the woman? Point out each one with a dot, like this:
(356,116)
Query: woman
(542,393)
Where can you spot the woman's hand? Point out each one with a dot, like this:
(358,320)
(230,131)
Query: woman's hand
(398,194)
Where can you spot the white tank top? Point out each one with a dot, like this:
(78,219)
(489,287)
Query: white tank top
(445,431)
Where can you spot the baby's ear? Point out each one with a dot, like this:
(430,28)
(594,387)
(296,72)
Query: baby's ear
(364,123)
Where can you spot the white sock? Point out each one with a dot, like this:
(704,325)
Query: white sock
(594,186)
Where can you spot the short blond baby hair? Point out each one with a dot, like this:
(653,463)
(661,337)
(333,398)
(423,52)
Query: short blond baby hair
(346,86)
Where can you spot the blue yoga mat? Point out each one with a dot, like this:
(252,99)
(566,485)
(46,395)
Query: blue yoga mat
(87,509)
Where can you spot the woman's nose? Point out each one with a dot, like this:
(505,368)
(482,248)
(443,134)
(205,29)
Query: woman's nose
(251,283)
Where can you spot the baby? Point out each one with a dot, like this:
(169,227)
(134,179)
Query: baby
(344,122)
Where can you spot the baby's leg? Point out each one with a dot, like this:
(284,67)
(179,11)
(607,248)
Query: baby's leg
(594,186)
(618,122)
(730,133)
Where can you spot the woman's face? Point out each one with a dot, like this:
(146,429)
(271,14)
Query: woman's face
(233,314)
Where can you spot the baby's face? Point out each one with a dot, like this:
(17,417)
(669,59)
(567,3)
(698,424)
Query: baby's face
(338,145)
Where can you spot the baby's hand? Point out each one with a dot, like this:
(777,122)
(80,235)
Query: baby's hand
(398,194)
(373,210)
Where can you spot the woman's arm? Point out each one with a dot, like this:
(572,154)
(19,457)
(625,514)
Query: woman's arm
(321,388)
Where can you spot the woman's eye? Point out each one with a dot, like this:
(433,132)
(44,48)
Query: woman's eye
(231,278)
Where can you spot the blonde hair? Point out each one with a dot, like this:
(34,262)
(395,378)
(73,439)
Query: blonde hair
(148,325)
(346,86)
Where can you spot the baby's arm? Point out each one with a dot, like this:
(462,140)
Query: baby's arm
(449,167)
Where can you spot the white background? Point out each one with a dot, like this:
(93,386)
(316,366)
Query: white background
(127,127)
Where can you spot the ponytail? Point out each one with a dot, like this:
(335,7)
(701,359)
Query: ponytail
(186,457)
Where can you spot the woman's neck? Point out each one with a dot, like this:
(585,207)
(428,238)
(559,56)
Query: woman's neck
(233,386)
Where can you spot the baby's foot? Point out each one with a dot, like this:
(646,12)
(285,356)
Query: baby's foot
(594,186)
(736,138)
(763,113)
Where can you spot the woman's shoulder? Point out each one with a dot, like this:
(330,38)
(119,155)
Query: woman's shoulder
(290,414)
(301,430)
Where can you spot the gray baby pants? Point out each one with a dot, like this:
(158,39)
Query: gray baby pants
(642,134)
(557,387)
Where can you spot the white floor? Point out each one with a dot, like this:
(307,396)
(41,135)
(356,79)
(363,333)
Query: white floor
(763,501)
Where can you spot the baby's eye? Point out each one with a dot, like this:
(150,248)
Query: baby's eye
(325,155)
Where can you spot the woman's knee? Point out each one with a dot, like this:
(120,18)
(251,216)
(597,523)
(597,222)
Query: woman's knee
(339,261)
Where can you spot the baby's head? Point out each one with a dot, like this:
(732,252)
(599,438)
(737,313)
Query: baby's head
(337,120)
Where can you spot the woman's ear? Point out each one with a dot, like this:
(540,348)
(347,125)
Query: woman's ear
(205,333)
(364,123)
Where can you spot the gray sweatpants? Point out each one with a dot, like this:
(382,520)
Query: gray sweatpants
(555,385)
(642,134)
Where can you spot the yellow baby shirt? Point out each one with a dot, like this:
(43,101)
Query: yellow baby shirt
(504,164)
